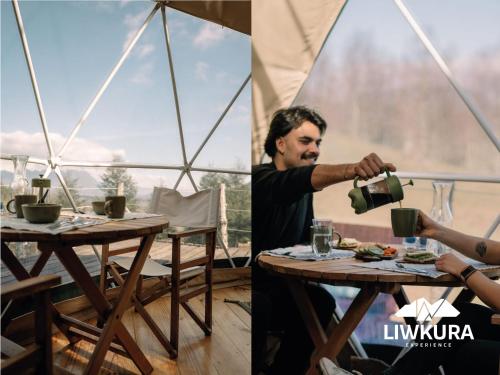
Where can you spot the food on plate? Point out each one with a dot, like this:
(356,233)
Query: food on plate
(419,257)
(389,251)
(371,252)
(348,243)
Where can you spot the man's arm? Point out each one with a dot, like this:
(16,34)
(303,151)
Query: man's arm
(327,174)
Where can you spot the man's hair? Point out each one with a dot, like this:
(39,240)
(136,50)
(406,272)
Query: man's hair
(284,120)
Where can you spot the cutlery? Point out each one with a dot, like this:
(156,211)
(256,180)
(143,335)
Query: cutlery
(399,265)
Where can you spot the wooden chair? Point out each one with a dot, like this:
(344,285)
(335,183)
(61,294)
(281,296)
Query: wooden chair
(188,216)
(38,355)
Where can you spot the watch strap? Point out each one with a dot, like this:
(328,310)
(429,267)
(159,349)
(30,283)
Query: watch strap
(467,272)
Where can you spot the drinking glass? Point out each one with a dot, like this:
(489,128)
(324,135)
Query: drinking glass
(322,235)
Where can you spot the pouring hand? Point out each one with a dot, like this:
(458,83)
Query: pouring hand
(370,166)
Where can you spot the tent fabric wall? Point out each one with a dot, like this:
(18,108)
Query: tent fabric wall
(286,40)
(233,14)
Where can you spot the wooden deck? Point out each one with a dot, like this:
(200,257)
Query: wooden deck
(227,351)
(160,251)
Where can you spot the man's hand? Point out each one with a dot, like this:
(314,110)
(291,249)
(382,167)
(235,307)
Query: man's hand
(451,264)
(369,167)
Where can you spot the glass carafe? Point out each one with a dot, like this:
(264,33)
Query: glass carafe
(19,184)
(441,212)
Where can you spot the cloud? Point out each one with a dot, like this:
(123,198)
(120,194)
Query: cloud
(124,3)
(20,142)
(105,6)
(145,50)
(178,28)
(209,35)
(221,76)
(143,76)
(133,22)
(201,71)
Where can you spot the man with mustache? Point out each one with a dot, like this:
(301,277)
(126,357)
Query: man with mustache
(282,213)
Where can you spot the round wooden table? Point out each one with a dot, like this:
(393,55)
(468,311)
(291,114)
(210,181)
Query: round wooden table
(344,272)
(113,336)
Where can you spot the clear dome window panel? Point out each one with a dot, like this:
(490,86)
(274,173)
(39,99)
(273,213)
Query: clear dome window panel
(475,208)
(211,63)
(468,38)
(21,131)
(71,63)
(93,184)
(136,116)
(229,146)
(381,91)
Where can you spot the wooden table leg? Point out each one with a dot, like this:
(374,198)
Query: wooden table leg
(113,325)
(339,335)
(20,273)
(306,308)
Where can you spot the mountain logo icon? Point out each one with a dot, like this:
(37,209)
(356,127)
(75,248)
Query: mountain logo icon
(423,310)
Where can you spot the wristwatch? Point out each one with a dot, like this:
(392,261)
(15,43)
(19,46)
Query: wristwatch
(466,273)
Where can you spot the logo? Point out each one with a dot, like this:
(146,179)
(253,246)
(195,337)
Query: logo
(424,311)
(425,333)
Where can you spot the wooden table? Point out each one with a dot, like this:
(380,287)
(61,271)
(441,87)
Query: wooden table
(113,336)
(344,272)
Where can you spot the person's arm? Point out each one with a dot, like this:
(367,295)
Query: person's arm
(487,290)
(328,174)
(484,250)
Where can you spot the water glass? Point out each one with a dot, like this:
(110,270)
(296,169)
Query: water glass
(321,236)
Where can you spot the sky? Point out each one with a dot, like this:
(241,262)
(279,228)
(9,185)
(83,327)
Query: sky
(460,27)
(74,46)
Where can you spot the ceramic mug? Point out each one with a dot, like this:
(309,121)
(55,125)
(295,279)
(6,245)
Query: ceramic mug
(98,207)
(404,221)
(19,200)
(115,206)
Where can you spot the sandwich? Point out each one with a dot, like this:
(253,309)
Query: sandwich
(420,257)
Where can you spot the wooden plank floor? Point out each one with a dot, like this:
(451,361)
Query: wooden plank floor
(227,351)
(160,250)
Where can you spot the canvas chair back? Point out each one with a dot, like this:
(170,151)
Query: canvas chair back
(200,209)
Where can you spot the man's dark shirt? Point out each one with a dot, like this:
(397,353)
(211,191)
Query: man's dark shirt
(282,210)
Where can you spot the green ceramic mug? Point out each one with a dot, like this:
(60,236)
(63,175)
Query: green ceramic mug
(98,207)
(404,221)
(115,206)
(18,201)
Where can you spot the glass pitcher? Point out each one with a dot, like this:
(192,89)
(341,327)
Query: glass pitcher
(441,212)
(19,184)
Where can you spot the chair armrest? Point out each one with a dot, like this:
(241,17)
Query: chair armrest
(29,286)
(495,319)
(181,232)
